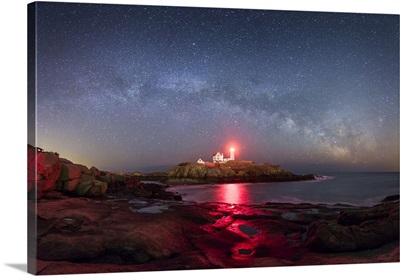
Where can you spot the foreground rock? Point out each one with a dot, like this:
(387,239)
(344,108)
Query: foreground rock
(356,230)
(79,235)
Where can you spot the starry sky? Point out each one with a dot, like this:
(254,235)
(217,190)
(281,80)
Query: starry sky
(144,88)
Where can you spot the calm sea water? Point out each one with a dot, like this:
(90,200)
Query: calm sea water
(362,189)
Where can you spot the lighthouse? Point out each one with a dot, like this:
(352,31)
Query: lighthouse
(218,157)
(232,151)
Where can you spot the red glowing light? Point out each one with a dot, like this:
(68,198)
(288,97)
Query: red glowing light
(233,193)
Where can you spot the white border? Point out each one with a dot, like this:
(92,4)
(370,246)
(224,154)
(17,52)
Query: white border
(14,135)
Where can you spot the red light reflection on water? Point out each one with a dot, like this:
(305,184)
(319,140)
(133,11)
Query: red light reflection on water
(233,193)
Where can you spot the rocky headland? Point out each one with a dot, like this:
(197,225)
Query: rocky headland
(90,221)
(229,172)
(58,177)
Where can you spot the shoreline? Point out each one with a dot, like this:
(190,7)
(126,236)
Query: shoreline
(323,190)
(186,182)
(235,180)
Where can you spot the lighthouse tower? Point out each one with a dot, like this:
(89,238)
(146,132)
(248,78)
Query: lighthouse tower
(232,151)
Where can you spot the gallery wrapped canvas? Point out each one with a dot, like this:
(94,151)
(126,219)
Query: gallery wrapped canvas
(178,138)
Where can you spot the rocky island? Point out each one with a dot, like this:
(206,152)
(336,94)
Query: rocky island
(83,220)
(233,171)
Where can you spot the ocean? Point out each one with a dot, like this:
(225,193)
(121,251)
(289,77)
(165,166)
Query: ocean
(360,189)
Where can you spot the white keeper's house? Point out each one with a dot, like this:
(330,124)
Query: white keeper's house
(218,157)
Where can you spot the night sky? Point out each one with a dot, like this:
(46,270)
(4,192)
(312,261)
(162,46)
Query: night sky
(129,88)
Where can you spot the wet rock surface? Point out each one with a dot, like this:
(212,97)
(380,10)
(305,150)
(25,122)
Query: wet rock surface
(127,233)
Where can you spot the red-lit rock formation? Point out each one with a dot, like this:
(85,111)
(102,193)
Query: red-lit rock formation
(59,174)
(81,235)
(44,168)
(48,172)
